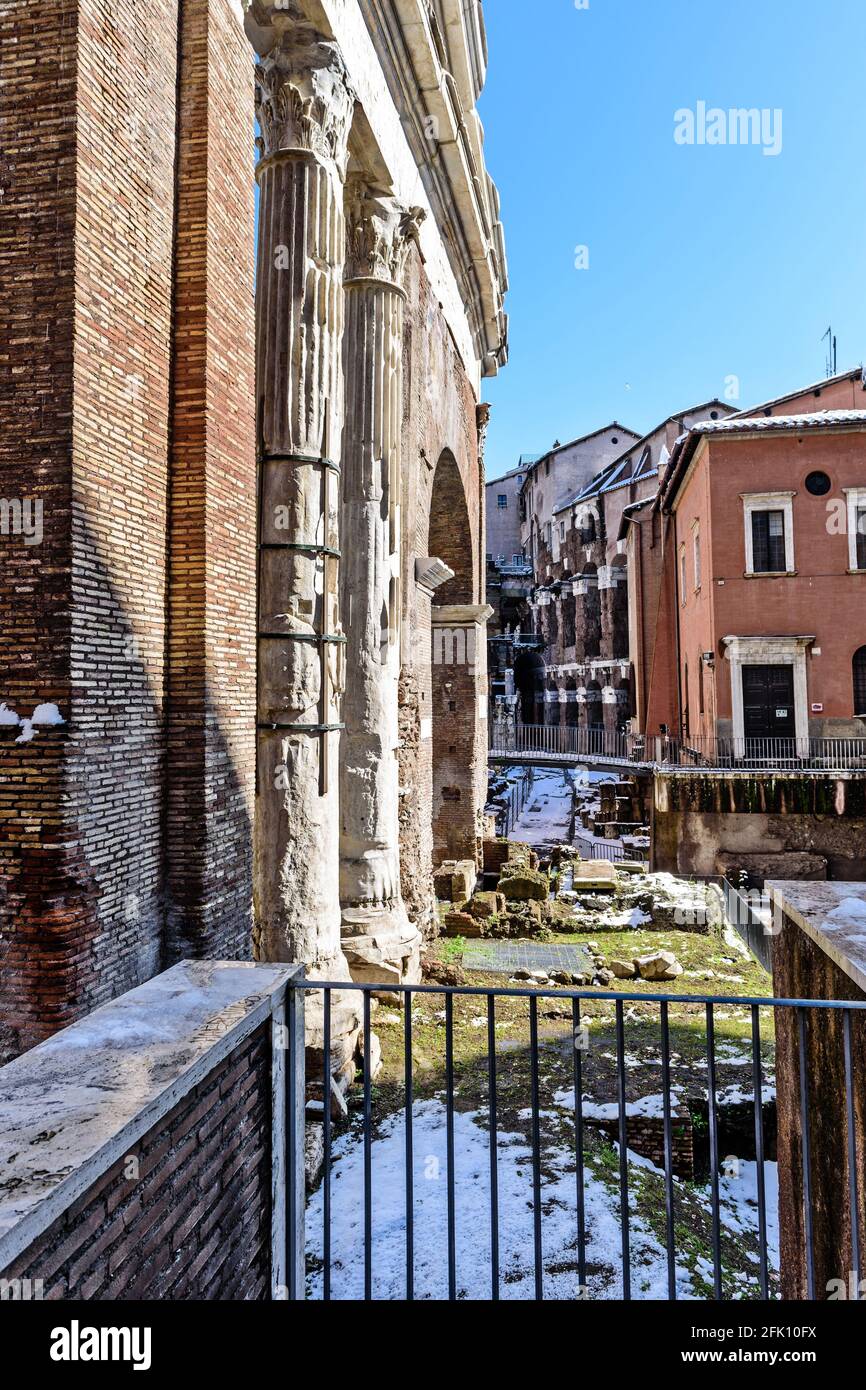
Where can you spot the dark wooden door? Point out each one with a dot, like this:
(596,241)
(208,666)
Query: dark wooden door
(768,701)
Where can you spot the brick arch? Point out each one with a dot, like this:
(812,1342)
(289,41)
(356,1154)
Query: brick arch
(449,533)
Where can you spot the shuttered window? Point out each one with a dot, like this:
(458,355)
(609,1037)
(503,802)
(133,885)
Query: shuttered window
(861,538)
(859,665)
(768,542)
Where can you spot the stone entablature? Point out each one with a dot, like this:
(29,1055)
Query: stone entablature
(429,138)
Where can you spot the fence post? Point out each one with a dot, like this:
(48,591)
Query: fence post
(296,1086)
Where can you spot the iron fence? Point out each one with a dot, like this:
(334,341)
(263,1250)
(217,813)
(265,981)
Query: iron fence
(477,1216)
(749,912)
(570,743)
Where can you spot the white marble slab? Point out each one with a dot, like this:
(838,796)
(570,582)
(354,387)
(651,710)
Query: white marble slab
(72,1106)
(833,915)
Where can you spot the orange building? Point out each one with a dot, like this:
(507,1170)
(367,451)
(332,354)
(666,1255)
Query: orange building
(747,576)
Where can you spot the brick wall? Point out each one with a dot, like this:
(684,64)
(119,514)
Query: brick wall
(184,1215)
(36,325)
(441,512)
(802,970)
(212,562)
(137,604)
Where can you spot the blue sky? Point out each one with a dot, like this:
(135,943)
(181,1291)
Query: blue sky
(705,262)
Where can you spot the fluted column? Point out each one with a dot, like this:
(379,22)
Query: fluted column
(304,106)
(379,941)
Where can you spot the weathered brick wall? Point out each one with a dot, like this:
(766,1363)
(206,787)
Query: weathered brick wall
(459,737)
(801,970)
(645,1135)
(142,586)
(439,422)
(187,1213)
(211,652)
(124,189)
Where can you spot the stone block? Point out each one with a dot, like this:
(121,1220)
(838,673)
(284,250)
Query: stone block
(595,876)
(793,864)
(661,965)
(623,969)
(523,883)
(484,905)
(454,880)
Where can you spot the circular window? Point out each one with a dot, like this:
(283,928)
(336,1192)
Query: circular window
(614,439)
(818,484)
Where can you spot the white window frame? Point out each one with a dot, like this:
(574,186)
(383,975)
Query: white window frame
(856,499)
(696,555)
(683,575)
(769,502)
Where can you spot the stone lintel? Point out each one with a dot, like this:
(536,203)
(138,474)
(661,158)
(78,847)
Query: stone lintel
(461,614)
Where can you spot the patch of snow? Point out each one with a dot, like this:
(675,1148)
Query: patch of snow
(850,908)
(650,1107)
(472,1195)
(47,714)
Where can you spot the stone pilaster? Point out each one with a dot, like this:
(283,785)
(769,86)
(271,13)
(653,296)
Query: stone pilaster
(304,106)
(379,941)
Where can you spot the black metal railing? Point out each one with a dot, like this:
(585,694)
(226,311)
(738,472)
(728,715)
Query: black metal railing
(510,803)
(503,1233)
(750,912)
(575,743)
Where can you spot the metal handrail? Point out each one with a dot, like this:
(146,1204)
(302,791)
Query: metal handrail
(360,1254)
(576,743)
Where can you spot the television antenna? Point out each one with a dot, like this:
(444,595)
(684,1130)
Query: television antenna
(830,363)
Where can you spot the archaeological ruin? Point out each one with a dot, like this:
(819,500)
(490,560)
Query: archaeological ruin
(244,702)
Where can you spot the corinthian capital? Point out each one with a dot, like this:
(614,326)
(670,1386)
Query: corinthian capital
(303,96)
(379,232)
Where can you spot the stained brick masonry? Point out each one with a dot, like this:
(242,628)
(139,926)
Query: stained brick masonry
(126,396)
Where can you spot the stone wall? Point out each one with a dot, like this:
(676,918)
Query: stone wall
(195,1224)
(798,825)
(155,1178)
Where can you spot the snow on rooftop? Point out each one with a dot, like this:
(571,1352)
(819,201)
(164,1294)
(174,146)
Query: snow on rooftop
(738,424)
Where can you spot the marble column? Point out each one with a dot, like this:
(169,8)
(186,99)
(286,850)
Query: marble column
(304,106)
(379,941)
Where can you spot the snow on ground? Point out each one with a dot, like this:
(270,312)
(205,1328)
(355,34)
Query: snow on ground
(546,817)
(650,1106)
(472,1217)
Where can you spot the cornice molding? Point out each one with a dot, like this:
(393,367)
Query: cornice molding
(462,195)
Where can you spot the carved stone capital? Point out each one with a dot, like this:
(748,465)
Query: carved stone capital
(379,232)
(304,100)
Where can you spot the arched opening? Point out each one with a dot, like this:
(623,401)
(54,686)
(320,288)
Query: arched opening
(594,706)
(858,667)
(529,679)
(619,606)
(458,671)
(449,535)
(591,612)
